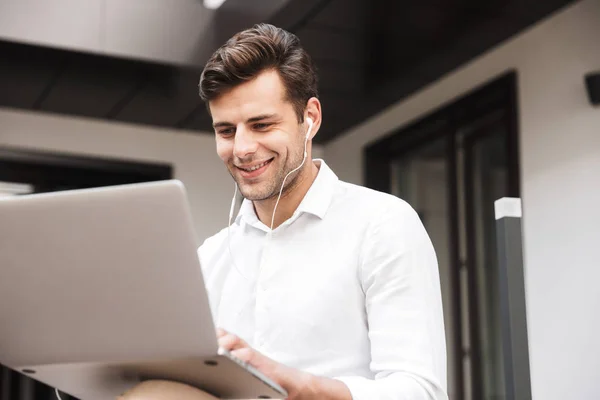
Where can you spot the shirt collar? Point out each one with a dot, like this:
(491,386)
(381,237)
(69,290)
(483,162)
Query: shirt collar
(316,201)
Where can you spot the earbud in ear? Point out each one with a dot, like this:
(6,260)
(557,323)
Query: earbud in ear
(310,125)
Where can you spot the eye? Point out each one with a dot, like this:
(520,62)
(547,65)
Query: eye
(262,126)
(226,132)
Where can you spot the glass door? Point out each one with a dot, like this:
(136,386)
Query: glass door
(452,182)
(420,177)
(485,176)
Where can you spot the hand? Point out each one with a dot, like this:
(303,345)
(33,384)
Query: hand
(298,384)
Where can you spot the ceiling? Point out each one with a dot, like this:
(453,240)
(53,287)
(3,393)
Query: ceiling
(370,54)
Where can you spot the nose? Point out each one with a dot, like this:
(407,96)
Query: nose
(244,143)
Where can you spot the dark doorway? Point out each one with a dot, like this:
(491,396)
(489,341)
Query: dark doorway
(451,165)
(47,172)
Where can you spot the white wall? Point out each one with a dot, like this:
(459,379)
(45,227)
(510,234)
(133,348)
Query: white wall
(560,169)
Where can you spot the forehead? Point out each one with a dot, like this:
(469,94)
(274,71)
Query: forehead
(263,94)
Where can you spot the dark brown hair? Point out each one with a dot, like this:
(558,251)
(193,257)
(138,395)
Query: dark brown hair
(252,51)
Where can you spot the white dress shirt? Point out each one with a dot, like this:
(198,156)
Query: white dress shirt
(347,288)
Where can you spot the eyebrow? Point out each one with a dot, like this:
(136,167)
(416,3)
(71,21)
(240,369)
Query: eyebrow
(260,118)
(249,121)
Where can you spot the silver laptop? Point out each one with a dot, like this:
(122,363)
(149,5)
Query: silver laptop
(102,288)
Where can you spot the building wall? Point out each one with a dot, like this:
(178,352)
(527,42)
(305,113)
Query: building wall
(560,178)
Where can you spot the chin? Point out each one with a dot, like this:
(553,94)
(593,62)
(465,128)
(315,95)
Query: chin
(252,193)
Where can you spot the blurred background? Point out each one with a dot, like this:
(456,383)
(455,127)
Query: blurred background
(449,104)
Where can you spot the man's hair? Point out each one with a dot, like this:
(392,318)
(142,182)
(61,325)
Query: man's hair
(252,51)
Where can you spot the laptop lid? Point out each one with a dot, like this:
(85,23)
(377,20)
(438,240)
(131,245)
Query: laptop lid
(101,275)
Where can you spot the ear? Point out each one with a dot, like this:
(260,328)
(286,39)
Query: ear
(313,111)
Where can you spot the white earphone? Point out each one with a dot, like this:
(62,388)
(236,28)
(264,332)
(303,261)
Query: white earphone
(308,132)
(310,125)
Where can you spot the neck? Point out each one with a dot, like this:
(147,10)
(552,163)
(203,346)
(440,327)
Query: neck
(290,198)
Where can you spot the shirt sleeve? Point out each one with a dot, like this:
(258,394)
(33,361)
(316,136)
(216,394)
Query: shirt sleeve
(400,279)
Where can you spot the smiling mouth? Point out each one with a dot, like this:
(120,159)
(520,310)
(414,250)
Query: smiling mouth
(256,167)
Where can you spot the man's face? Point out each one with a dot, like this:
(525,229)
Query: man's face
(258,135)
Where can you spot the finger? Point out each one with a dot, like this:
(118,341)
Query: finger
(255,359)
(221,332)
(231,342)
(246,354)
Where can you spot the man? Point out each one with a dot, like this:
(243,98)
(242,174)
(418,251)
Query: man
(330,289)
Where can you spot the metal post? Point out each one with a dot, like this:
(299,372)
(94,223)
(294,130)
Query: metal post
(512,299)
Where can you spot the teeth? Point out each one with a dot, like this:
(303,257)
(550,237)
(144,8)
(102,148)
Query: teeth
(256,166)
